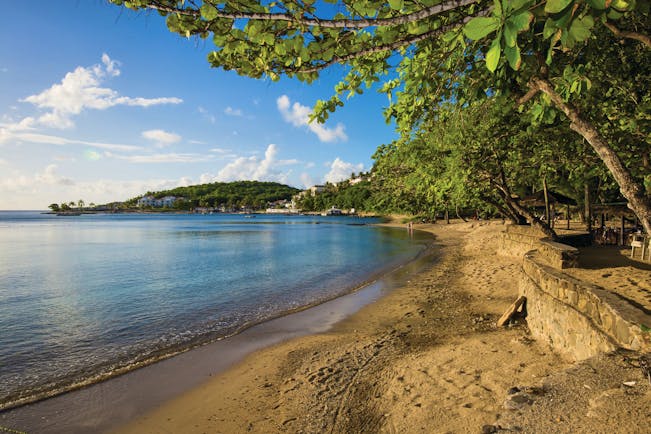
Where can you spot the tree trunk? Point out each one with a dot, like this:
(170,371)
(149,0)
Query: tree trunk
(546,194)
(516,218)
(632,190)
(456,210)
(535,221)
(587,208)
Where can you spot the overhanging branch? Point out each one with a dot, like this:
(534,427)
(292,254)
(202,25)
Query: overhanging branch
(323,23)
(393,46)
(630,35)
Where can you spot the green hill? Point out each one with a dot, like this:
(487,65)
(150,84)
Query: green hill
(231,195)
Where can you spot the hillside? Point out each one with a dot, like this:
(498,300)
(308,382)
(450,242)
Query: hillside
(250,194)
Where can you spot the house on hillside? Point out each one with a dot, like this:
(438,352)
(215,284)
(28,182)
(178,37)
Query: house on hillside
(314,190)
(151,201)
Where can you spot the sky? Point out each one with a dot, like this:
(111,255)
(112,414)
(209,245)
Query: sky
(104,104)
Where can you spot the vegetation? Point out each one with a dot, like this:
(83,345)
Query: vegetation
(231,195)
(565,83)
(343,195)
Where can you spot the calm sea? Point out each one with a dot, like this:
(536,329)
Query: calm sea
(84,296)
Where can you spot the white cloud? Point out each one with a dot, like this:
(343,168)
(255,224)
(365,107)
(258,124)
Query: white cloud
(163,158)
(36,191)
(299,115)
(4,69)
(253,168)
(307,180)
(207,115)
(230,111)
(80,90)
(161,138)
(47,177)
(6,135)
(340,170)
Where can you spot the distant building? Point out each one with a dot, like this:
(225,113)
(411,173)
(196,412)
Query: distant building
(332,211)
(167,201)
(317,189)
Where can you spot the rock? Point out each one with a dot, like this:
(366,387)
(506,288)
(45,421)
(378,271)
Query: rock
(513,390)
(489,429)
(517,401)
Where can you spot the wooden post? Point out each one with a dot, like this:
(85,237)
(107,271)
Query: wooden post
(546,194)
(621,231)
(587,212)
(603,219)
(568,215)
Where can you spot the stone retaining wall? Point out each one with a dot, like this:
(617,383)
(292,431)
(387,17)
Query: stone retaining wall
(577,319)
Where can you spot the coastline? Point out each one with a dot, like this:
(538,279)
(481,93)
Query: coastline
(424,357)
(51,410)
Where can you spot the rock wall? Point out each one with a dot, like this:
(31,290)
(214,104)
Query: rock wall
(577,319)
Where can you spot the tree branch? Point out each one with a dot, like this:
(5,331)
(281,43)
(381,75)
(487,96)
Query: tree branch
(393,46)
(630,35)
(323,23)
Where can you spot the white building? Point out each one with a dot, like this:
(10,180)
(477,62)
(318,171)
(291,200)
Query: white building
(317,189)
(167,201)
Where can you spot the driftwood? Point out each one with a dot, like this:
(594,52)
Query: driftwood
(504,319)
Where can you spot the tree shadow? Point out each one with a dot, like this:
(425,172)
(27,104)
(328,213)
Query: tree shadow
(596,257)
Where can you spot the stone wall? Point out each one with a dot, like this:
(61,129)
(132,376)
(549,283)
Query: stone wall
(518,240)
(577,319)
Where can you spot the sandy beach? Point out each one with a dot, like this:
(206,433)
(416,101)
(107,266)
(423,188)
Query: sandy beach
(425,358)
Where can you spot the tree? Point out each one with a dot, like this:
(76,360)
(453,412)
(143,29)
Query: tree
(80,204)
(518,41)
(54,207)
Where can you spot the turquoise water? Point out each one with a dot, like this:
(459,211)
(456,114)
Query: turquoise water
(85,295)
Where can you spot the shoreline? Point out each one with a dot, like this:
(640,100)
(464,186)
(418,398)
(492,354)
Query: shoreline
(423,357)
(50,405)
(426,357)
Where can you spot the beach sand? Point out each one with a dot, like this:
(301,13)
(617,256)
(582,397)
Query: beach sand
(426,358)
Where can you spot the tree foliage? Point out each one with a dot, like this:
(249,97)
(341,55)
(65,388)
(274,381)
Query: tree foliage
(429,52)
(232,195)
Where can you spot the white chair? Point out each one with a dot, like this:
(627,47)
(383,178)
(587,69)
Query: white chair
(638,242)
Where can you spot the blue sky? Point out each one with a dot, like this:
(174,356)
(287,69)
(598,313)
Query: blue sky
(103,104)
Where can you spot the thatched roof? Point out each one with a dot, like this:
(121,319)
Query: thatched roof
(538,199)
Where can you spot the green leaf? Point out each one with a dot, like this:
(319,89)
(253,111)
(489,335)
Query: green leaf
(510,35)
(550,28)
(519,4)
(493,55)
(480,27)
(396,4)
(512,54)
(563,19)
(208,12)
(521,21)
(580,28)
(555,6)
(599,4)
(497,10)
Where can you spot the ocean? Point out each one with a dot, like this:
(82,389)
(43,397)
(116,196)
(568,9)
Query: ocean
(83,297)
